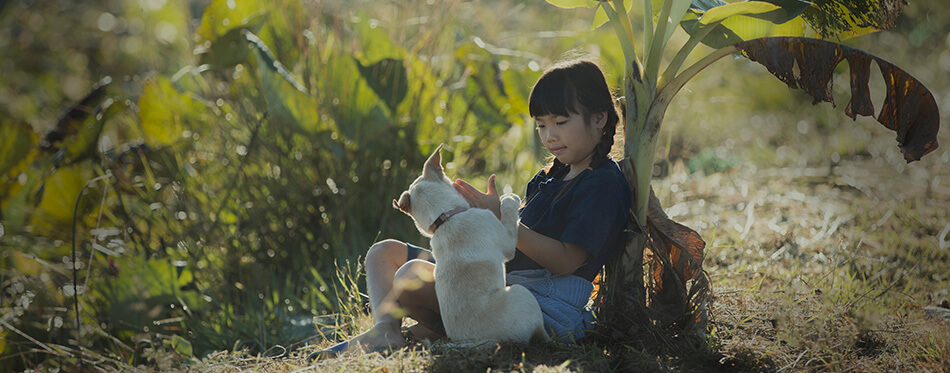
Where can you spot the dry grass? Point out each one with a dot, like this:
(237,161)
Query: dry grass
(823,246)
(810,273)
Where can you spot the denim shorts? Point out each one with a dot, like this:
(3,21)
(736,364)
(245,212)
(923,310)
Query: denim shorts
(563,299)
(413,251)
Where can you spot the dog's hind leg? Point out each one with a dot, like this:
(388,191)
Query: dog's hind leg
(509,219)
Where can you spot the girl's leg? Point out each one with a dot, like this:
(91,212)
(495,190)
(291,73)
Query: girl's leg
(382,261)
(415,292)
(396,286)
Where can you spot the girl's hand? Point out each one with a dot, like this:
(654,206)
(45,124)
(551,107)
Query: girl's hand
(477,199)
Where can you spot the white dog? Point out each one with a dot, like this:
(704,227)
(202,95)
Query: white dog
(470,247)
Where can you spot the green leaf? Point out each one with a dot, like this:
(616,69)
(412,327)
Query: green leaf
(792,8)
(570,4)
(164,113)
(180,345)
(73,118)
(375,43)
(288,102)
(283,30)
(600,16)
(844,19)
(16,141)
(270,62)
(354,105)
(744,21)
(826,18)
(58,196)
(747,8)
(222,16)
(17,151)
(85,144)
(143,291)
(381,63)
(388,79)
(677,12)
(227,50)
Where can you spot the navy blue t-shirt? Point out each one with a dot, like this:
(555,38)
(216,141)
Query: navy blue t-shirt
(591,214)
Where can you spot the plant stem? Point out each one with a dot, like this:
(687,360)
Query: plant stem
(647,25)
(677,62)
(625,21)
(659,43)
(670,90)
(630,55)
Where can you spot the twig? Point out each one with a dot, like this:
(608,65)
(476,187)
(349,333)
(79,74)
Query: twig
(942,238)
(107,175)
(31,339)
(794,362)
(102,204)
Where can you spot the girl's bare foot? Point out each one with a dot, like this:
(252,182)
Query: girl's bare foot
(420,332)
(381,337)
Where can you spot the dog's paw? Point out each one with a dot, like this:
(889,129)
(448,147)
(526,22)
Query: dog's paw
(510,199)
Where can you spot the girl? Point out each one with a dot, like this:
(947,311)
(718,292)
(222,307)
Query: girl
(572,221)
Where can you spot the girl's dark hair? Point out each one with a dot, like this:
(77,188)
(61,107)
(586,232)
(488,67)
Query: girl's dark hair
(577,87)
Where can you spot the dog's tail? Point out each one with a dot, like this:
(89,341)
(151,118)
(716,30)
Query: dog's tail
(540,335)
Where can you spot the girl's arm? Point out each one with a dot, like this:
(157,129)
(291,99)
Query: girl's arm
(561,258)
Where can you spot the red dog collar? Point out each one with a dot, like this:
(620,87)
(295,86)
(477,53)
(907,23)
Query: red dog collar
(445,217)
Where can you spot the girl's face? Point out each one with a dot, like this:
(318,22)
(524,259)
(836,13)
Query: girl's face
(570,138)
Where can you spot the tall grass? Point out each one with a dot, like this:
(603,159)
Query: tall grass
(238,242)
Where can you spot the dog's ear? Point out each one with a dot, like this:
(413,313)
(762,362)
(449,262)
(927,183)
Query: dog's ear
(433,166)
(403,203)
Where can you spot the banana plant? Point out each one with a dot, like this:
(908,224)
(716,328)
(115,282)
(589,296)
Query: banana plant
(788,38)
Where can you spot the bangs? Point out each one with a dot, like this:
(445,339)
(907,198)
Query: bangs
(553,94)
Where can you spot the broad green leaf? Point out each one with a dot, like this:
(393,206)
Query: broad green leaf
(224,25)
(226,50)
(288,102)
(848,18)
(743,21)
(85,143)
(142,292)
(677,12)
(16,141)
(483,90)
(180,345)
(17,151)
(827,18)
(222,16)
(381,64)
(283,30)
(600,16)
(357,110)
(751,27)
(58,200)
(164,113)
(388,79)
(792,8)
(570,4)
(18,200)
(375,44)
(73,118)
(746,8)
(427,102)
(909,108)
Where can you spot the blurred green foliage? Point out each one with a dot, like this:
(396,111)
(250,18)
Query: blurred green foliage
(247,147)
